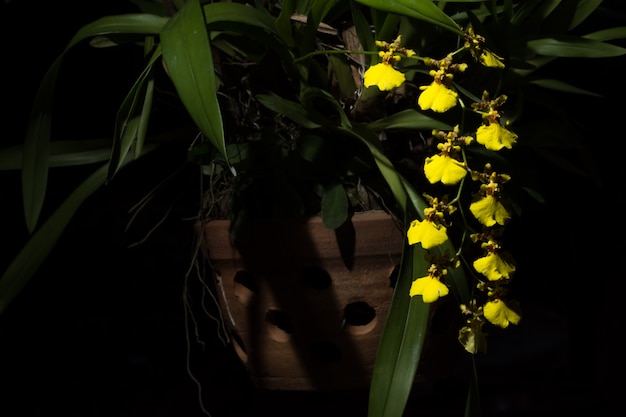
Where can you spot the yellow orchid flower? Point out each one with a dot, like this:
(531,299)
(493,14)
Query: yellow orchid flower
(428,233)
(498,313)
(384,76)
(445,169)
(429,287)
(494,137)
(437,97)
(489,211)
(493,267)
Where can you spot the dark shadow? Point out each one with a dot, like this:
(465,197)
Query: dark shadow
(346,239)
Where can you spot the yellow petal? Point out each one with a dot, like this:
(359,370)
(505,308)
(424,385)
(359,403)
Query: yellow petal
(493,267)
(489,211)
(489,59)
(445,169)
(427,233)
(498,313)
(429,288)
(495,137)
(384,76)
(437,97)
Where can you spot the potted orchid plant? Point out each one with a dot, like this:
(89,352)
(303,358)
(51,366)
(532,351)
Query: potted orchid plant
(418,102)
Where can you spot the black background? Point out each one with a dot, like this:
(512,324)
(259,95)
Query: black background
(100,330)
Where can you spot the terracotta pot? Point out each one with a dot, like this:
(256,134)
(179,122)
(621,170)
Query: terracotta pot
(307,304)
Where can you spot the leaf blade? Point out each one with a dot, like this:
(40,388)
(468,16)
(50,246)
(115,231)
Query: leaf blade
(187,54)
(422,10)
(565,46)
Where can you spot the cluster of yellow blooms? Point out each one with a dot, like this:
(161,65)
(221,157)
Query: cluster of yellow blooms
(449,167)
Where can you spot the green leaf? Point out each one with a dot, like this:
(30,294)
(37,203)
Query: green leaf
(408,119)
(401,342)
(529,12)
(283,23)
(308,40)
(312,98)
(362,28)
(334,205)
(574,47)
(133,116)
(37,148)
(252,23)
(30,258)
(221,15)
(62,154)
(343,74)
(34,253)
(403,335)
(570,14)
(608,34)
(132,23)
(294,111)
(314,149)
(418,9)
(37,141)
(559,85)
(187,53)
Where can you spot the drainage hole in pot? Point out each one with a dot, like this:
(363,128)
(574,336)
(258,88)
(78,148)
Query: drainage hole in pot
(245,286)
(359,317)
(325,351)
(316,277)
(280,327)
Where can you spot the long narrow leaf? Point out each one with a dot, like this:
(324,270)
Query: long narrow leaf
(574,47)
(408,119)
(132,117)
(187,53)
(36,144)
(422,10)
(41,243)
(575,12)
(401,341)
(34,253)
(610,34)
(221,14)
(37,148)
(403,336)
(132,23)
(62,154)
(255,24)
(558,85)
(295,111)
(405,328)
